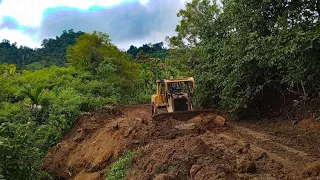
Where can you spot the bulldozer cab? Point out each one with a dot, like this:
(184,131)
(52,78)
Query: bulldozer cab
(173,95)
(161,97)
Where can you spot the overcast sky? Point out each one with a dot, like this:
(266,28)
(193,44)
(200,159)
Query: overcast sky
(136,22)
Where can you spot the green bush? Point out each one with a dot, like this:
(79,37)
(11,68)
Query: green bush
(19,158)
(9,110)
(120,169)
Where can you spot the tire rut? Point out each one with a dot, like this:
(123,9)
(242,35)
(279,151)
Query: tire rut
(292,159)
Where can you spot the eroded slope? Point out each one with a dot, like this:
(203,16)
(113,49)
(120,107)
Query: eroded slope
(170,149)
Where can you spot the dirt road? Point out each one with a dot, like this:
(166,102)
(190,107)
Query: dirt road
(265,149)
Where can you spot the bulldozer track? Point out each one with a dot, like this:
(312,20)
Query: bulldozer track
(289,157)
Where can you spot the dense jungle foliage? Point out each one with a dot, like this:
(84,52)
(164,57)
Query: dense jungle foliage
(39,101)
(250,56)
(151,50)
(52,52)
(245,55)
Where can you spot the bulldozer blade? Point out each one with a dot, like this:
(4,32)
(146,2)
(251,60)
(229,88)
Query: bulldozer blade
(184,115)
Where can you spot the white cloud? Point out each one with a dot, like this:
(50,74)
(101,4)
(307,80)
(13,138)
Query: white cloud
(19,37)
(30,12)
(144,2)
(136,31)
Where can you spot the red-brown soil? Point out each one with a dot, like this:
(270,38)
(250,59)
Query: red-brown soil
(195,149)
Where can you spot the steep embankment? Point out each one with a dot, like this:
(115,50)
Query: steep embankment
(170,149)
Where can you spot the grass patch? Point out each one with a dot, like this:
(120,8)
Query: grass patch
(119,169)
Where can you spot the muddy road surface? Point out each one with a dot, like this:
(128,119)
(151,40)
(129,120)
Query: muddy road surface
(198,149)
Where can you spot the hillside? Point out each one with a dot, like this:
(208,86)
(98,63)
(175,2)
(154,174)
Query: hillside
(53,51)
(267,149)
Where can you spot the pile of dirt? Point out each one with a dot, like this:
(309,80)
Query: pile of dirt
(94,142)
(181,158)
(206,156)
(310,123)
(170,128)
(204,147)
(312,171)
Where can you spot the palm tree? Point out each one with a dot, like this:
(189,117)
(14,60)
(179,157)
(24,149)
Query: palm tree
(12,69)
(34,94)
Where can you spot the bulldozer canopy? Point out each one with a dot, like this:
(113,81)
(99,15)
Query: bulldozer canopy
(167,81)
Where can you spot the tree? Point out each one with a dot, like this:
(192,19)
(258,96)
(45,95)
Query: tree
(133,51)
(52,52)
(90,51)
(142,57)
(12,69)
(247,49)
(35,95)
(197,19)
(152,50)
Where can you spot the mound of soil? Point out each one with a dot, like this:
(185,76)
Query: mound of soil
(169,148)
(310,123)
(312,171)
(181,158)
(94,142)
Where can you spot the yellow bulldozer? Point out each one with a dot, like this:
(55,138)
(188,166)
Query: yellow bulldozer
(173,99)
(173,95)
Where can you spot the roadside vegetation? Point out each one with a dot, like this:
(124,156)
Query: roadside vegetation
(247,57)
(120,169)
(38,104)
